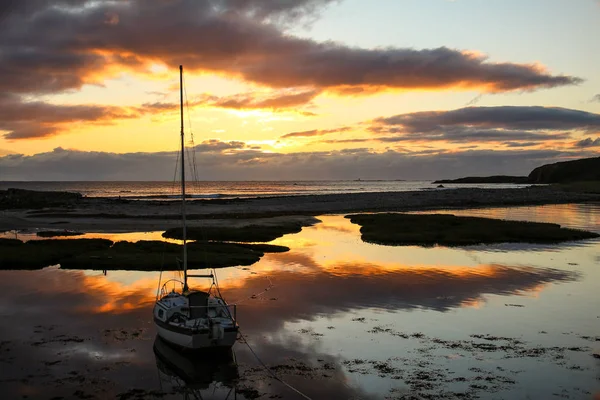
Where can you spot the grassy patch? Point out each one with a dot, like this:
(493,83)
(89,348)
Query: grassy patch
(98,254)
(449,230)
(10,242)
(158,255)
(34,254)
(249,233)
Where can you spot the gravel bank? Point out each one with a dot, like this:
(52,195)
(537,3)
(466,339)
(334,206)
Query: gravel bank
(97,214)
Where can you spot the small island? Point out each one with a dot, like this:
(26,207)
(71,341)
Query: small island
(254,232)
(449,230)
(582,170)
(103,254)
(488,179)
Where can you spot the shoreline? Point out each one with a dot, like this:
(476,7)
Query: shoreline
(112,215)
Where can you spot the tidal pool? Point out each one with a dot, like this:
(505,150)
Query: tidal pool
(334,317)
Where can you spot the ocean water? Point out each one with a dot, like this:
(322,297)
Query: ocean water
(210,189)
(335,317)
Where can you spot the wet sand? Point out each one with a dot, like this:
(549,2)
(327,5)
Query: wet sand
(114,215)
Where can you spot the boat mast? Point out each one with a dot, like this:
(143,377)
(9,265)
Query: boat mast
(185,285)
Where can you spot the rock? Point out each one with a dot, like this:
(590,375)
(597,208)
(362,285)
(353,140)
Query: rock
(32,199)
(586,169)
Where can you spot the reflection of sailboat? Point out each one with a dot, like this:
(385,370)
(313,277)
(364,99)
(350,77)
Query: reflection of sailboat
(193,319)
(190,374)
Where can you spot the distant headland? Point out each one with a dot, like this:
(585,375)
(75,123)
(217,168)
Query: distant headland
(585,169)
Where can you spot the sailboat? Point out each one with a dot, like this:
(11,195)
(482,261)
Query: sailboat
(193,319)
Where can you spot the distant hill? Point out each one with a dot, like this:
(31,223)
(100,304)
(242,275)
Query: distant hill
(487,179)
(586,169)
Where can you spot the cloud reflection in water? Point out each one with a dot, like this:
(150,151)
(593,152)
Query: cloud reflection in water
(101,325)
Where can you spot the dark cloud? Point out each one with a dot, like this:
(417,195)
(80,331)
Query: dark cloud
(595,99)
(158,107)
(277,101)
(461,135)
(35,119)
(336,67)
(53,46)
(314,132)
(521,144)
(464,137)
(46,48)
(486,124)
(235,161)
(505,117)
(589,142)
(215,145)
(358,140)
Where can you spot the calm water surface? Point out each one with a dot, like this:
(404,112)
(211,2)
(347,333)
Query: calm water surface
(229,189)
(335,317)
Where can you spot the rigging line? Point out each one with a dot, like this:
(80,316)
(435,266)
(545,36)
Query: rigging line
(159,278)
(190,129)
(189,160)
(187,104)
(175,174)
(162,262)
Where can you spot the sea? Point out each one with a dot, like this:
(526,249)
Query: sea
(233,189)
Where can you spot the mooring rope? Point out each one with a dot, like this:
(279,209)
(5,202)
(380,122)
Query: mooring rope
(269,370)
(254,353)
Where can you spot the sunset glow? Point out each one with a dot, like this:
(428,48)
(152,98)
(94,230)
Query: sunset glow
(102,77)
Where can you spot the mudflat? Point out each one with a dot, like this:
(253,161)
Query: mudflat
(114,215)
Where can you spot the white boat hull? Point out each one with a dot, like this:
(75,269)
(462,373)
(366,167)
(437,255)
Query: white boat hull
(196,341)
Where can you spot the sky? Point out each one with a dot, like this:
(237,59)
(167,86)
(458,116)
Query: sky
(291,90)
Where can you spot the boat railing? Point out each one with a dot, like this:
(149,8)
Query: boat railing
(228,307)
(164,290)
